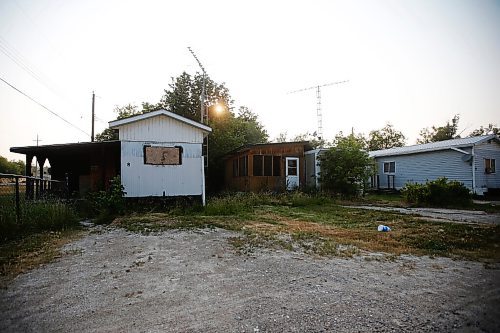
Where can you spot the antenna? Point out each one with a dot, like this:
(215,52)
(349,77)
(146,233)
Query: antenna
(318,104)
(204,118)
(203,110)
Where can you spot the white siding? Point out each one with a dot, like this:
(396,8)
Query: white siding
(418,168)
(142,180)
(483,151)
(160,129)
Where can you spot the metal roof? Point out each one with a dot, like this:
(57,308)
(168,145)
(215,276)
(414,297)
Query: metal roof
(63,148)
(306,144)
(132,119)
(434,146)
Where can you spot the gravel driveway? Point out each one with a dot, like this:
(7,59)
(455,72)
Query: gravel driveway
(193,281)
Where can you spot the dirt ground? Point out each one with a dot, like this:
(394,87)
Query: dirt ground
(441,214)
(194,281)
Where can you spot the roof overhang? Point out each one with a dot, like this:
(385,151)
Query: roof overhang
(306,144)
(454,144)
(65,148)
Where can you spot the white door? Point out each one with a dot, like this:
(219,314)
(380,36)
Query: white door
(292,173)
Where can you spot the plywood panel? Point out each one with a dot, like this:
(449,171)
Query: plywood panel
(162,155)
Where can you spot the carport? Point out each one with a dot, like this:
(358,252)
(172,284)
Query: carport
(86,166)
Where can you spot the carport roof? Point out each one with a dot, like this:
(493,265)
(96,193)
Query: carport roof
(63,148)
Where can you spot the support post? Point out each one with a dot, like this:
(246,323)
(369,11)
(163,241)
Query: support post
(18,208)
(93,116)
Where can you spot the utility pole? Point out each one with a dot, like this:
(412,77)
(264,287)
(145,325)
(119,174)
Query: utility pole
(93,117)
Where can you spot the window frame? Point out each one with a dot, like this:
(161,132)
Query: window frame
(268,165)
(145,159)
(389,172)
(490,166)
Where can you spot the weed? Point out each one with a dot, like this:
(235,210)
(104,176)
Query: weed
(19,255)
(317,225)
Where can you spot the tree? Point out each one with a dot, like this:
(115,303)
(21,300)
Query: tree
(183,95)
(385,138)
(228,133)
(282,137)
(441,133)
(122,112)
(311,138)
(346,166)
(490,129)
(12,167)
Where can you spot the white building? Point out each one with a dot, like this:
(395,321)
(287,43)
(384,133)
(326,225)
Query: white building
(161,155)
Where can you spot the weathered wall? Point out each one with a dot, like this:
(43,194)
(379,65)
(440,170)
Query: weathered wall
(140,179)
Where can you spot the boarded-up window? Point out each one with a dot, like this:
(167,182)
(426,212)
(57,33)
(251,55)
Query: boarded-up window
(162,155)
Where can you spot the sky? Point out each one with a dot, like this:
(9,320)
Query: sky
(412,63)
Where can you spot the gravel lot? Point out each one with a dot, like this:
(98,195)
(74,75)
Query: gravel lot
(441,214)
(194,281)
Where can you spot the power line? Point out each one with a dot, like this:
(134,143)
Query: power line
(11,52)
(43,106)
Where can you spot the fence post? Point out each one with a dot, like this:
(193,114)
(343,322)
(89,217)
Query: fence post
(18,208)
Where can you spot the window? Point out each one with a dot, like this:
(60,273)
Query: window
(240,166)
(292,167)
(266,165)
(389,167)
(243,166)
(162,155)
(257,165)
(489,165)
(276,166)
(235,167)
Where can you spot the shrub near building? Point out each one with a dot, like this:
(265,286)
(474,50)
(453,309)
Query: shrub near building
(346,166)
(440,192)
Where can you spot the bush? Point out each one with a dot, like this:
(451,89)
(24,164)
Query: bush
(439,192)
(345,167)
(106,205)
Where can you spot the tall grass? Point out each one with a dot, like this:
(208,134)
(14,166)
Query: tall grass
(35,216)
(238,203)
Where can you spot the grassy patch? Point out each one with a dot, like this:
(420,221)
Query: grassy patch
(34,217)
(317,225)
(20,255)
(383,199)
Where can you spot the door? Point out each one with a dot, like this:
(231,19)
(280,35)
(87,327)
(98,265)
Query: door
(292,173)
